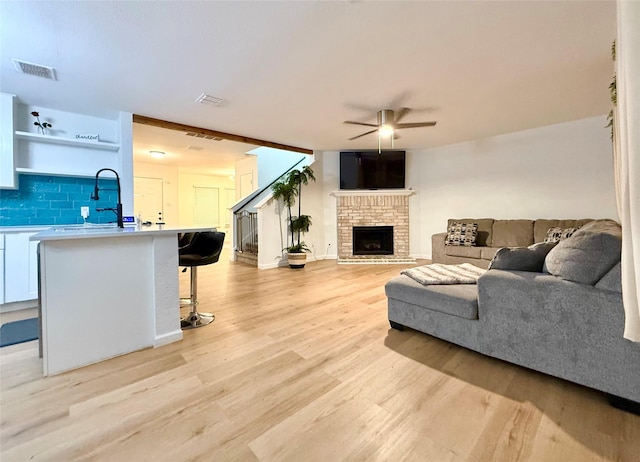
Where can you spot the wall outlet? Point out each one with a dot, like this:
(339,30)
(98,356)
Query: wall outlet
(84,211)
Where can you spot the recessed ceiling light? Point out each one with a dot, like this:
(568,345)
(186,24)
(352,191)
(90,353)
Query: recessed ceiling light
(156,154)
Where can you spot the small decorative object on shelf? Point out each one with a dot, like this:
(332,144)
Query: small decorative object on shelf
(41,125)
(87,137)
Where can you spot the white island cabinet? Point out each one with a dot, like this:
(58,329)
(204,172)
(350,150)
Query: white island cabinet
(106,292)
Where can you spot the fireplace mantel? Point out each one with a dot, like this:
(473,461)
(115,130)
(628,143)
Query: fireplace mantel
(372,192)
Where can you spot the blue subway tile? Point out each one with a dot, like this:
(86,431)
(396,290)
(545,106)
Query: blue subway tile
(62,205)
(56,196)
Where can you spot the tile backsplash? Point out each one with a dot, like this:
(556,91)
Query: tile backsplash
(56,200)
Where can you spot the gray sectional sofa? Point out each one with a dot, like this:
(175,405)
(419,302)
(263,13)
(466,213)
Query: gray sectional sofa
(493,235)
(564,316)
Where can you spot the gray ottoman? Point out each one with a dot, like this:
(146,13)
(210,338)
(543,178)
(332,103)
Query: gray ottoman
(449,312)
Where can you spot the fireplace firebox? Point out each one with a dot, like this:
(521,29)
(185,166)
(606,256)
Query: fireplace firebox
(373,240)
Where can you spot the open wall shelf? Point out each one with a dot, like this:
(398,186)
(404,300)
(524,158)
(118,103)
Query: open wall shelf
(36,137)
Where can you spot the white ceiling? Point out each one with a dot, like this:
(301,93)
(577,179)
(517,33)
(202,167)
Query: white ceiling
(189,154)
(292,72)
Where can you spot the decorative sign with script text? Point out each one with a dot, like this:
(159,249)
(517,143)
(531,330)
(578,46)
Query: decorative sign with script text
(88,137)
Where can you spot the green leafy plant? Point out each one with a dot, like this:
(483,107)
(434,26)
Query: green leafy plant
(287,189)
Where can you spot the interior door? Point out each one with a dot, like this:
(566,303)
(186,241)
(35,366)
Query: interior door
(206,206)
(147,198)
(246,184)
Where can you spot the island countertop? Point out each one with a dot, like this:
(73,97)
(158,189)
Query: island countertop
(107,291)
(62,232)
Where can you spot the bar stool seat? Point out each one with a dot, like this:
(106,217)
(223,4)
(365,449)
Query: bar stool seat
(197,249)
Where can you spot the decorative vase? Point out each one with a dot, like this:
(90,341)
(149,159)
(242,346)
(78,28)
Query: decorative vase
(297,260)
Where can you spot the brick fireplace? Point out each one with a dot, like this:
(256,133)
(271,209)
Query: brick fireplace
(371,210)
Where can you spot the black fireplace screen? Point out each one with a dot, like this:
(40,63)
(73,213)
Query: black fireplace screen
(373,240)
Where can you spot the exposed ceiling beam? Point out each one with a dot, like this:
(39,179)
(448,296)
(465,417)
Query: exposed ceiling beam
(139,119)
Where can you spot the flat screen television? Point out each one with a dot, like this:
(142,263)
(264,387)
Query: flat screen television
(372,170)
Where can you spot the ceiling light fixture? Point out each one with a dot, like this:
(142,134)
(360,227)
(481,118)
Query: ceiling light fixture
(156,154)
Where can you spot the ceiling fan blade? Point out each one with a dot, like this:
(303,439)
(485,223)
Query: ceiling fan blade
(360,136)
(403,111)
(360,123)
(415,124)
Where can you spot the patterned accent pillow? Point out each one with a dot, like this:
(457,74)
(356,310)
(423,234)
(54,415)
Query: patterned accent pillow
(462,234)
(559,234)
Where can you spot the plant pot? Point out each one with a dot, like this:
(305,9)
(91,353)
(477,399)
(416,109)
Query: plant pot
(297,260)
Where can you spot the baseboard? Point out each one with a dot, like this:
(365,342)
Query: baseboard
(167,338)
(624,404)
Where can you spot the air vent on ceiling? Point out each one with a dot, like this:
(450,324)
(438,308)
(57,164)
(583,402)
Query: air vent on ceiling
(208,99)
(34,69)
(206,137)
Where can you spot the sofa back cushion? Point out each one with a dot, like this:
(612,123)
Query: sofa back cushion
(612,280)
(588,255)
(522,258)
(483,235)
(512,233)
(542,226)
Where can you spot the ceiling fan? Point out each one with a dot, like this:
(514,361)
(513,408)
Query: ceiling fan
(388,123)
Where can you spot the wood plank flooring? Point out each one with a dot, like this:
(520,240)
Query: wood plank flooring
(302,366)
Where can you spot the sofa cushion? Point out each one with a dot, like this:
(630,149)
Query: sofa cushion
(461,233)
(612,280)
(462,251)
(541,226)
(512,233)
(458,300)
(485,226)
(558,234)
(588,255)
(487,253)
(522,258)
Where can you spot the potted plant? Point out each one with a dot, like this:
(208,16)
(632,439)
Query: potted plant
(287,189)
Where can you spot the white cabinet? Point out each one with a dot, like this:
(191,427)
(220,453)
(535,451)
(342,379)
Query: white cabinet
(7,148)
(20,267)
(1,268)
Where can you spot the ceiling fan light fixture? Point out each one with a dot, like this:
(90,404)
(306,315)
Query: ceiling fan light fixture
(385,131)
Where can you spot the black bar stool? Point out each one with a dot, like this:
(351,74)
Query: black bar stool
(198,249)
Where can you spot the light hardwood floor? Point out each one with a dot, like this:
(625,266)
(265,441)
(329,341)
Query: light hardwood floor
(302,366)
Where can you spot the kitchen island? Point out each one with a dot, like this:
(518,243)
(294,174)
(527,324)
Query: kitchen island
(106,291)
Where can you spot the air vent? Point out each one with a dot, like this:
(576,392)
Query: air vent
(208,99)
(206,137)
(34,69)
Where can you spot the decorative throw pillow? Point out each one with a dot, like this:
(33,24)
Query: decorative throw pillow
(559,234)
(587,255)
(462,234)
(522,258)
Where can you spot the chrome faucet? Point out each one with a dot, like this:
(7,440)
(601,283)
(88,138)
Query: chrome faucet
(95,196)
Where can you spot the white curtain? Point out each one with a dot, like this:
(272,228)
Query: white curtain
(627,158)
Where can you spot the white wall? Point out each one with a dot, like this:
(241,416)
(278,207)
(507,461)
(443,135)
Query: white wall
(272,223)
(187,181)
(178,192)
(246,166)
(273,162)
(557,171)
